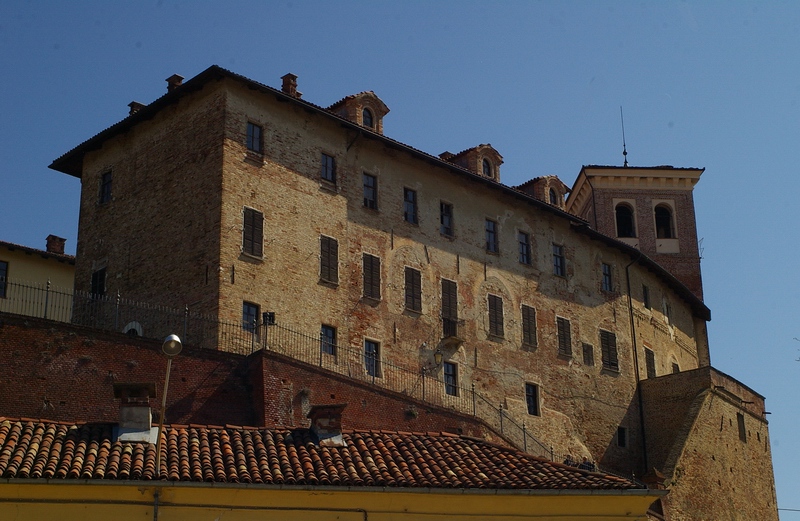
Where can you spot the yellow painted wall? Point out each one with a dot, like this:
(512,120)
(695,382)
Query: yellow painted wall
(26,287)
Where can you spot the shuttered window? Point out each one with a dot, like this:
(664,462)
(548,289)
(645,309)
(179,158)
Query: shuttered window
(253,233)
(413,290)
(372,276)
(329,259)
(650,362)
(564,336)
(588,354)
(495,315)
(608,345)
(449,308)
(528,325)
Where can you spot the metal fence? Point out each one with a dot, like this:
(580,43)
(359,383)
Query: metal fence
(153,321)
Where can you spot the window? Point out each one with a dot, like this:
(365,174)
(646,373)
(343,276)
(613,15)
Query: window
(588,354)
(524,247)
(413,290)
(664,229)
(495,316)
(646,296)
(607,281)
(449,308)
(3,279)
(625,224)
(650,362)
(105,188)
(370,192)
(450,378)
(553,197)
(608,348)
(564,336)
(622,437)
(528,325)
(328,259)
(491,237)
(328,168)
(253,233)
(675,368)
(99,283)
(366,118)
(410,205)
(372,358)
(255,141)
(487,168)
(532,399)
(667,309)
(327,340)
(446,219)
(740,424)
(372,276)
(249,316)
(559,263)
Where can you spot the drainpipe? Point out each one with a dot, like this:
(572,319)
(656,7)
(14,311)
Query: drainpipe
(636,359)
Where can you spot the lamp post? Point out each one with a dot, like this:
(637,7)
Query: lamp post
(171,347)
(437,357)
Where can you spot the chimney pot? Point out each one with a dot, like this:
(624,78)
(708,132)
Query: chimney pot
(135,107)
(326,424)
(173,82)
(290,85)
(55,244)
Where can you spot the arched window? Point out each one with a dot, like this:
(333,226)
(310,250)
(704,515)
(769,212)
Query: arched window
(664,229)
(366,118)
(487,168)
(625,225)
(553,197)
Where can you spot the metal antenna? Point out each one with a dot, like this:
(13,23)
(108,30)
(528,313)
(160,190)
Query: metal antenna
(624,149)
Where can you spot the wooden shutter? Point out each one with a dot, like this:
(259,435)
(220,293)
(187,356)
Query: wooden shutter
(329,259)
(449,300)
(253,235)
(564,336)
(413,290)
(495,315)
(608,346)
(528,325)
(372,276)
(650,362)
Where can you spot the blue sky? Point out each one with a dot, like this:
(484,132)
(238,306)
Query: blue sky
(711,84)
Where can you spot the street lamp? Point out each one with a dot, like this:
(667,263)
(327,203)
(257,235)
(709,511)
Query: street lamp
(437,357)
(171,347)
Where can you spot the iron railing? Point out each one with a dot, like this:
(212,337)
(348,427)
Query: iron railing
(387,369)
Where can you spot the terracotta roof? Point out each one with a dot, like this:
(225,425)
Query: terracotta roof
(69,259)
(36,449)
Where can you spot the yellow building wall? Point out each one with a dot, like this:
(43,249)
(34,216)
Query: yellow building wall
(27,284)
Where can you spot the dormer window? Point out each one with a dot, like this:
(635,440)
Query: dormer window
(553,197)
(487,168)
(366,118)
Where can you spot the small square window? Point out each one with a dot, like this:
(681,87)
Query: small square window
(532,399)
(450,378)
(328,168)
(370,191)
(559,262)
(524,247)
(372,358)
(607,281)
(105,188)
(255,141)
(410,206)
(327,340)
(446,219)
(492,245)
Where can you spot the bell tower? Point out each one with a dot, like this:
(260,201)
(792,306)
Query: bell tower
(649,208)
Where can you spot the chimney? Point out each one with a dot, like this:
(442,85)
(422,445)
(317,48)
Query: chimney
(55,244)
(174,82)
(135,416)
(290,85)
(135,107)
(326,424)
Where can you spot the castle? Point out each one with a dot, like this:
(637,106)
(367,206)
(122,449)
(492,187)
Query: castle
(579,311)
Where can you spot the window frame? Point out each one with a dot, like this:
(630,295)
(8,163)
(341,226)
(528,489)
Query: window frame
(559,261)
(98,283)
(650,363)
(105,192)
(327,340)
(328,259)
(625,220)
(529,332)
(413,289)
(449,310)
(254,140)
(646,297)
(367,118)
(608,350)
(492,236)
(588,354)
(370,189)
(524,241)
(328,168)
(487,168)
(664,219)
(533,399)
(250,326)
(446,213)
(371,266)
(495,311)
(372,357)
(607,280)
(410,206)
(252,232)
(450,378)
(564,336)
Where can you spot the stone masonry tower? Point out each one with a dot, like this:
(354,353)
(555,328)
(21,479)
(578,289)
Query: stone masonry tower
(649,208)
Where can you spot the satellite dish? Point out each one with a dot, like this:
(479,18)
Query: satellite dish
(172,345)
